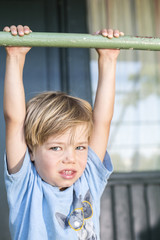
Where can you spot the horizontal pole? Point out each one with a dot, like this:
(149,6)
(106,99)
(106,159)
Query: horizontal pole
(77,40)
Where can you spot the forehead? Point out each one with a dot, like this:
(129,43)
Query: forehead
(72,135)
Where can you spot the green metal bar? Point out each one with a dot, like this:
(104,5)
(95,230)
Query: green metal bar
(79,41)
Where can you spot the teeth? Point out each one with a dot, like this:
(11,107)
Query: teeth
(68,172)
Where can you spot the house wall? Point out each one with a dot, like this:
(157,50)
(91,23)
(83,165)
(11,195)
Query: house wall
(130,207)
(45,68)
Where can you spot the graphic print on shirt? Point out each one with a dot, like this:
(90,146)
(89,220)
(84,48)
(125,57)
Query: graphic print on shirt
(80,218)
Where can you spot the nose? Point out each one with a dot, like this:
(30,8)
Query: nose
(69,156)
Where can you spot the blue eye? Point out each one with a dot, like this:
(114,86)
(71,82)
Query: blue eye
(80,148)
(56,148)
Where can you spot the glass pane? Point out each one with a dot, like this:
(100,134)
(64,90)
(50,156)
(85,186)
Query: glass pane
(135,131)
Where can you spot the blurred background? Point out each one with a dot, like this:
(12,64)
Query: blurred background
(130,204)
(135,139)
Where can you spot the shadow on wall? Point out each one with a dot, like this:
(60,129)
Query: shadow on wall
(152,233)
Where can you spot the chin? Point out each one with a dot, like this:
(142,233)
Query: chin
(67,185)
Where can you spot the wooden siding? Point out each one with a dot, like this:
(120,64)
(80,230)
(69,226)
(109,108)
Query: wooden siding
(130,207)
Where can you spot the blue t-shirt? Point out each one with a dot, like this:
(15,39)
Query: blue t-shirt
(40,211)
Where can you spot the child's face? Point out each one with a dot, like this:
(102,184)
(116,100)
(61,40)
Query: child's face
(61,160)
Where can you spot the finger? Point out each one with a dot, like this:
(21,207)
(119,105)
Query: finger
(27,30)
(6,29)
(116,33)
(20,30)
(104,32)
(13,30)
(110,33)
(121,33)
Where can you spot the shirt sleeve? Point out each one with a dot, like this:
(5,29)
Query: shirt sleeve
(97,172)
(16,184)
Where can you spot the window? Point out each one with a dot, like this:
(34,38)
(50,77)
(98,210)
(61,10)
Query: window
(134,143)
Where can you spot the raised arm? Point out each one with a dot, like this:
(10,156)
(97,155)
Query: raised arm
(105,96)
(14,101)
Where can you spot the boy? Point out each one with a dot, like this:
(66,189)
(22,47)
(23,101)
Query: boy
(54,152)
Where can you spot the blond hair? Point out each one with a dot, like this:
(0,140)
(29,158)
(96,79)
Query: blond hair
(52,113)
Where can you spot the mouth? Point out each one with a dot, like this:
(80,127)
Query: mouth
(67,173)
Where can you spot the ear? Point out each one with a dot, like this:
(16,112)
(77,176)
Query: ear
(62,219)
(88,197)
(31,153)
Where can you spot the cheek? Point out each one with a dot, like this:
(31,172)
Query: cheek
(83,161)
(50,164)
(45,162)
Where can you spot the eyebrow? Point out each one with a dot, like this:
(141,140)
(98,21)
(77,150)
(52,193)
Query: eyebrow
(61,143)
(81,143)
